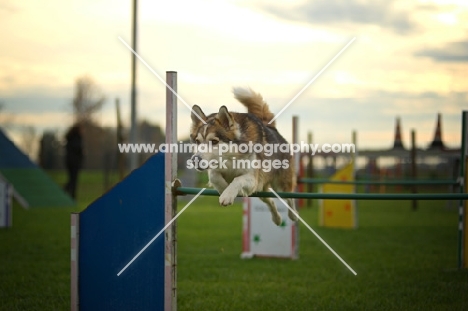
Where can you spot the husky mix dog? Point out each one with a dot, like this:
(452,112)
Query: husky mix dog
(232,128)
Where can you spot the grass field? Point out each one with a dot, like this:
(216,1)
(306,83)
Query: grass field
(405,260)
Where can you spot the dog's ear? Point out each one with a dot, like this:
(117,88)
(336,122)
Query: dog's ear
(197,115)
(225,118)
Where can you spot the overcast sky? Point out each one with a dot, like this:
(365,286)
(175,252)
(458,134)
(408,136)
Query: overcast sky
(409,59)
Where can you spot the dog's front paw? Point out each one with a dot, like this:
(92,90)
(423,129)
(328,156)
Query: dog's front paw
(227,197)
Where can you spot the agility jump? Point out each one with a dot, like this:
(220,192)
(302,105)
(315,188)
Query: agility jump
(110,231)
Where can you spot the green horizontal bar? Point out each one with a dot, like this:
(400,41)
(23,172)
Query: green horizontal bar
(338,196)
(378,182)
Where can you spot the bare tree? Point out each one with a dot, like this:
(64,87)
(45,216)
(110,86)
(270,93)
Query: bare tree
(87,101)
(6,120)
(29,140)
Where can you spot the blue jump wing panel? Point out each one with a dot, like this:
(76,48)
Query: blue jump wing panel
(113,230)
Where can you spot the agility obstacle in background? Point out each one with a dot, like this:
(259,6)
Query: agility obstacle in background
(32,187)
(106,235)
(261,237)
(339,213)
(336,213)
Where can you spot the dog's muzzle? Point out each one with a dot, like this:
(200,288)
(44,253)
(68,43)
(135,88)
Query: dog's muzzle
(196,162)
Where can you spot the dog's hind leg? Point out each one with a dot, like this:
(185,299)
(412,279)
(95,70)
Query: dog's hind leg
(275,216)
(291,215)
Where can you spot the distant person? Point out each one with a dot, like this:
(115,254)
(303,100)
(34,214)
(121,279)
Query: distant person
(73,157)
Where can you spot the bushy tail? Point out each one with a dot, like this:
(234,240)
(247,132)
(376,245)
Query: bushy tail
(255,104)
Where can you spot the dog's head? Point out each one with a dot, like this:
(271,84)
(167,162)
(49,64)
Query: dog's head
(209,133)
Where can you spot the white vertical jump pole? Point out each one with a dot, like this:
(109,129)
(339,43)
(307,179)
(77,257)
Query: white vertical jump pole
(170,262)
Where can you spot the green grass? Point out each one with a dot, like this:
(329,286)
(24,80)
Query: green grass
(405,260)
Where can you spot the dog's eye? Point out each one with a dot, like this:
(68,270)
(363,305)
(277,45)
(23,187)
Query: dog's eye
(214,142)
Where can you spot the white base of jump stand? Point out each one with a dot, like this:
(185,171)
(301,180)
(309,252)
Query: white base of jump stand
(262,238)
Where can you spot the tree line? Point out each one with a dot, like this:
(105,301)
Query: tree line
(99,143)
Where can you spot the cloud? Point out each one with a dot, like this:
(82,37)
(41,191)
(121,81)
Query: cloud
(8,7)
(381,13)
(419,105)
(333,119)
(452,52)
